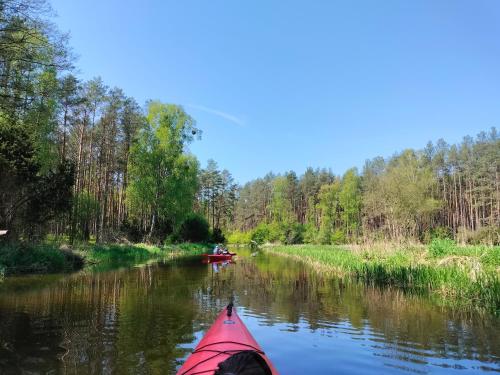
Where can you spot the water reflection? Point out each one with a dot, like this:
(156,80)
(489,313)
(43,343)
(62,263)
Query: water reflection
(146,320)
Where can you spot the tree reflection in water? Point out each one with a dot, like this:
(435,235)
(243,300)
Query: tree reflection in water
(145,320)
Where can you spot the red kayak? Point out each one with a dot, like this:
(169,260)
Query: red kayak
(227,342)
(218,257)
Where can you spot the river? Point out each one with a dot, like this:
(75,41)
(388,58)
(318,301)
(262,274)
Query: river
(145,319)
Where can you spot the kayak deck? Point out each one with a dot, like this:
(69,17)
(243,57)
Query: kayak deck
(227,336)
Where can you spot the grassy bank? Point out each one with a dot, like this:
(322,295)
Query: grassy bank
(20,258)
(49,258)
(461,275)
(137,252)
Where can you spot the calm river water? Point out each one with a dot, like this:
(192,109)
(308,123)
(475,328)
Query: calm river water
(146,319)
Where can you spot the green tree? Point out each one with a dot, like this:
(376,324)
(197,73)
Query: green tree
(350,202)
(329,206)
(281,208)
(162,178)
(401,196)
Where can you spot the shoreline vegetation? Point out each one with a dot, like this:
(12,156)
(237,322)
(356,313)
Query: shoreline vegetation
(20,258)
(84,162)
(468,276)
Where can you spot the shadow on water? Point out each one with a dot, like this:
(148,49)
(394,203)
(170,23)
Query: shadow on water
(145,320)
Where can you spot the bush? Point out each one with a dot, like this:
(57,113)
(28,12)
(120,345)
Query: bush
(238,237)
(172,238)
(218,236)
(337,237)
(294,234)
(441,247)
(24,258)
(441,233)
(438,232)
(194,229)
(260,234)
(323,237)
(274,232)
(310,233)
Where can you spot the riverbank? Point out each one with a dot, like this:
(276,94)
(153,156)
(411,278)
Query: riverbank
(22,258)
(468,276)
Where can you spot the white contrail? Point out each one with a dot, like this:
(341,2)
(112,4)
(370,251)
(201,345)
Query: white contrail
(216,112)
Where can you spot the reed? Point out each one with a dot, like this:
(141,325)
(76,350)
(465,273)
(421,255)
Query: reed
(117,253)
(465,275)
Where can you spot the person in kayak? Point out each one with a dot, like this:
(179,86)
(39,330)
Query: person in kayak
(246,362)
(216,250)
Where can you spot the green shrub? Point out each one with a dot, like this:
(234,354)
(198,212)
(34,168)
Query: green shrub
(337,237)
(260,234)
(438,232)
(441,247)
(194,229)
(324,237)
(310,233)
(294,234)
(238,237)
(172,238)
(442,233)
(218,236)
(23,258)
(327,236)
(276,232)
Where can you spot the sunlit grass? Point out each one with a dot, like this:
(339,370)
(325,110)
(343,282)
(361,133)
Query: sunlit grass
(468,274)
(50,257)
(137,252)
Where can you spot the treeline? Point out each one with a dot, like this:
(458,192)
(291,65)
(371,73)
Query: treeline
(81,159)
(442,190)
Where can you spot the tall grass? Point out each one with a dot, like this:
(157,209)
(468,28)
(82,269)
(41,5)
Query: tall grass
(469,276)
(117,253)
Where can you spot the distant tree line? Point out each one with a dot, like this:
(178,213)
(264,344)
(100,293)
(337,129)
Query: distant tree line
(442,190)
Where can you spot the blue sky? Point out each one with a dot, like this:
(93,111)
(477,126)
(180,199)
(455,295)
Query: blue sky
(283,85)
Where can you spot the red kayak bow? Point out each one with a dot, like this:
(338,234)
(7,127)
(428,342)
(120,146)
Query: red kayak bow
(227,337)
